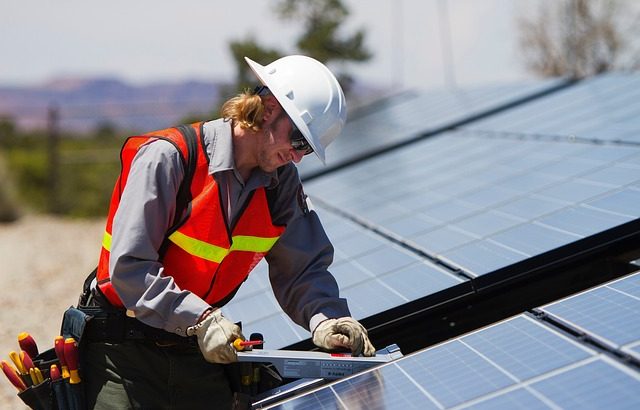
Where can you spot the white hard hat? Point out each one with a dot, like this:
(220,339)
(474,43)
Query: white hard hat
(310,94)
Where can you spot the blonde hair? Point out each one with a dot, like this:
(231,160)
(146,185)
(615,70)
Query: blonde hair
(245,109)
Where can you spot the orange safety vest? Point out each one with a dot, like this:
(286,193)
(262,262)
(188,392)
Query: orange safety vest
(202,255)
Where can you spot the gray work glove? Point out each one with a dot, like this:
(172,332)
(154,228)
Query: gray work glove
(215,335)
(343,332)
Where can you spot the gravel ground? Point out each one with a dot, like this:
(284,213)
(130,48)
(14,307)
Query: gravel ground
(43,262)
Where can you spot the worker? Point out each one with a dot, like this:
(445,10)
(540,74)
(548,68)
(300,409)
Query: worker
(194,210)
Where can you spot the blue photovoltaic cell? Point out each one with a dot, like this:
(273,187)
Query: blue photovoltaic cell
(573,191)
(594,385)
(530,207)
(629,285)
(381,389)
(453,373)
(583,221)
(482,257)
(443,239)
(515,399)
(533,239)
(624,202)
(417,280)
(603,108)
(524,348)
(485,224)
(324,399)
(605,312)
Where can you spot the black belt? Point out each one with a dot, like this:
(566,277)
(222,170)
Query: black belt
(114,326)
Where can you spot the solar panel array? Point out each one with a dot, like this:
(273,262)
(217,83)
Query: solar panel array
(523,362)
(456,207)
(405,116)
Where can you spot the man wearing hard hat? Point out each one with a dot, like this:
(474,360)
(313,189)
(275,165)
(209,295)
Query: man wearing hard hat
(194,210)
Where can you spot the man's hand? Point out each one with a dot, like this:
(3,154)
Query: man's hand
(343,332)
(215,335)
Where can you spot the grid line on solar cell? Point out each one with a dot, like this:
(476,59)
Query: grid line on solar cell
(515,397)
(597,384)
(524,348)
(452,373)
(629,284)
(607,314)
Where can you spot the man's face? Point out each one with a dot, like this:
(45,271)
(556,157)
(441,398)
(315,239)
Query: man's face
(275,148)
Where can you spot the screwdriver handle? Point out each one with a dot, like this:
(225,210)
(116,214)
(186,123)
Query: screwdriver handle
(15,358)
(72,359)
(54,372)
(59,348)
(240,344)
(27,344)
(26,361)
(13,376)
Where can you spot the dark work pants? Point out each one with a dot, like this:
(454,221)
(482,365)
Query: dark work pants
(144,375)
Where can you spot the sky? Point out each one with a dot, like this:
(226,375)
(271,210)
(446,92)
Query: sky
(144,41)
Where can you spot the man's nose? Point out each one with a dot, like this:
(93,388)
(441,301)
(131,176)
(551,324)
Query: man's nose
(297,155)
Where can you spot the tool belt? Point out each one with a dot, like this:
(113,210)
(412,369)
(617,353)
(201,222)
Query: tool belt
(96,320)
(116,327)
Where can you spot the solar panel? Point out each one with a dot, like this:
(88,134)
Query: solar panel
(517,363)
(482,202)
(603,108)
(608,313)
(506,188)
(406,116)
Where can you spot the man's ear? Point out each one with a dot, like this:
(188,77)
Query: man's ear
(271,109)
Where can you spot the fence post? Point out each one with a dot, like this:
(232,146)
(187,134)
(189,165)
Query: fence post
(53,152)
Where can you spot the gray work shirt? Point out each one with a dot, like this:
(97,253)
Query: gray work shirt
(298,262)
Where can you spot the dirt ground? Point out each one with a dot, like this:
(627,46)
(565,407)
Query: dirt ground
(43,262)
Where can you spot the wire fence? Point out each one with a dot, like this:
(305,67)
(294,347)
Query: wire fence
(72,158)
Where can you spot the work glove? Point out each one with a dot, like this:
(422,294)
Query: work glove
(215,335)
(345,332)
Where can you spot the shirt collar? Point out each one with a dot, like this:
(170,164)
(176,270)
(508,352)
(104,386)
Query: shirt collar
(218,141)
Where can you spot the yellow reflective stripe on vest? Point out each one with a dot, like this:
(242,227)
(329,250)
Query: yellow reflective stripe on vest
(252,243)
(106,241)
(199,248)
(215,253)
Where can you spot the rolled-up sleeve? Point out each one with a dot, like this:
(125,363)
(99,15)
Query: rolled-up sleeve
(146,211)
(299,261)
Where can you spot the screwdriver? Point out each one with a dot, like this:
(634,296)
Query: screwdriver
(59,348)
(240,344)
(27,344)
(15,358)
(36,375)
(12,375)
(71,357)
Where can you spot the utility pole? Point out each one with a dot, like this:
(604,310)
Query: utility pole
(446,45)
(397,40)
(53,155)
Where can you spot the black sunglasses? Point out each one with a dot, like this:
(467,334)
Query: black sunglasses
(298,141)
